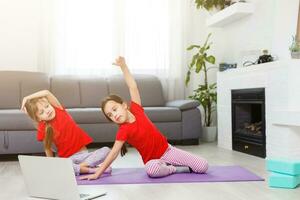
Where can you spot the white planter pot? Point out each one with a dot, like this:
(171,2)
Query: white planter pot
(209,134)
(295,55)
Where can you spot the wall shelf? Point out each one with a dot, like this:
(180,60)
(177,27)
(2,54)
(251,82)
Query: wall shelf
(230,14)
(286,118)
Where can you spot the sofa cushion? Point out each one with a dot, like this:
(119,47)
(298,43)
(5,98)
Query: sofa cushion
(92,91)
(33,82)
(149,87)
(14,85)
(21,142)
(95,115)
(66,90)
(14,119)
(79,92)
(172,130)
(87,115)
(183,104)
(163,114)
(10,93)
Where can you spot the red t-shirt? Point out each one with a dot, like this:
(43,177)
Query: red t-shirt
(68,138)
(143,135)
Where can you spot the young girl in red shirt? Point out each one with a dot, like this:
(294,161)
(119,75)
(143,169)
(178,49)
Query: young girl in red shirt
(56,126)
(160,158)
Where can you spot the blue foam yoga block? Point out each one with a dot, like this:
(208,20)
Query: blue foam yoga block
(283,180)
(284,166)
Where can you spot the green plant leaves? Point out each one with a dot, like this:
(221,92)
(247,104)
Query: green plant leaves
(200,58)
(205,93)
(193,46)
(187,78)
(194,60)
(199,64)
(209,4)
(210,59)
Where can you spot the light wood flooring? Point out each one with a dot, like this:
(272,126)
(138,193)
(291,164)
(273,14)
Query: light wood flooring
(12,186)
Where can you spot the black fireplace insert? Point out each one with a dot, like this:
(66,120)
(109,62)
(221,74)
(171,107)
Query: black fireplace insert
(248,121)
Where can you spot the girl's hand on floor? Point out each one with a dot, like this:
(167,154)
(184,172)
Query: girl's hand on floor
(89,177)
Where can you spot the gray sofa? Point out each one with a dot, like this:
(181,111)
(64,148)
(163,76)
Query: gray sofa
(179,121)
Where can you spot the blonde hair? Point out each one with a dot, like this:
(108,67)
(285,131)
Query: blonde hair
(32,109)
(119,100)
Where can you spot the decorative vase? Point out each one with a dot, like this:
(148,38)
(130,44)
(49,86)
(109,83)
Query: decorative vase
(209,133)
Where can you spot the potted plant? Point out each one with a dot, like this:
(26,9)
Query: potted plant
(205,93)
(295,48)
(212,4)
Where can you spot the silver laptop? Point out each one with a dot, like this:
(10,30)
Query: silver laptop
(52,178)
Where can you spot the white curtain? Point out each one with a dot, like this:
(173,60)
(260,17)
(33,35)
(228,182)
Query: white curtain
(82,37)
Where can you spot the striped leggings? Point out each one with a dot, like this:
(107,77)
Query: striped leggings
(93,158)
(173,157)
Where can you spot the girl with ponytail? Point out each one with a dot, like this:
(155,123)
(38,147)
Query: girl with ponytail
(160,158)
(55,127)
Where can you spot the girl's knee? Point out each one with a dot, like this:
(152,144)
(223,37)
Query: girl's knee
(205,166)
(105,150)
(97,157)
(201,166)
(150,164)
(152,173)
(152,167)
(102,153)
(76,169)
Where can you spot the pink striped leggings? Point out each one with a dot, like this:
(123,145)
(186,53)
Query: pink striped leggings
(173,157)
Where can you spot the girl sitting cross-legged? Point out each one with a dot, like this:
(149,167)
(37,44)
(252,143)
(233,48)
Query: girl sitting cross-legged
(160,158)
(56,126)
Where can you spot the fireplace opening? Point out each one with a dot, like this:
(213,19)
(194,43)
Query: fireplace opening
(248,121)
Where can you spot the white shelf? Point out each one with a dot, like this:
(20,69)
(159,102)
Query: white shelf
(230,14)
(286,118)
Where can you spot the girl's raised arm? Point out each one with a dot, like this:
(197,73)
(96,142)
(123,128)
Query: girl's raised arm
(43,93)
(133,89)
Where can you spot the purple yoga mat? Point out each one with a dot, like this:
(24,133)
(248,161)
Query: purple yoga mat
(139,176)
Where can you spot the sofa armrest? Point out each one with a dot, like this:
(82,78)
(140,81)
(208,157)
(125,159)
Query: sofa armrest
(183,104)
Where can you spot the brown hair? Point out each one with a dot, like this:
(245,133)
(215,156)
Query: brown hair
(32,109)
(119,100)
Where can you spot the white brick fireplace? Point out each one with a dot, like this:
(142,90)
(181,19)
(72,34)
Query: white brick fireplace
(281,80)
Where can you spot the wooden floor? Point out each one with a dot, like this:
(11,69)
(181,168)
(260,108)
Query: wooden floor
(12,186)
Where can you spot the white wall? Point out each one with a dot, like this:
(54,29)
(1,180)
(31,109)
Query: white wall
(285,25)
(271,27)
(196,33)
(19,34)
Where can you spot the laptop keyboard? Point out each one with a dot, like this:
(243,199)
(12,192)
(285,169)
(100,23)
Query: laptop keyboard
(84,195)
